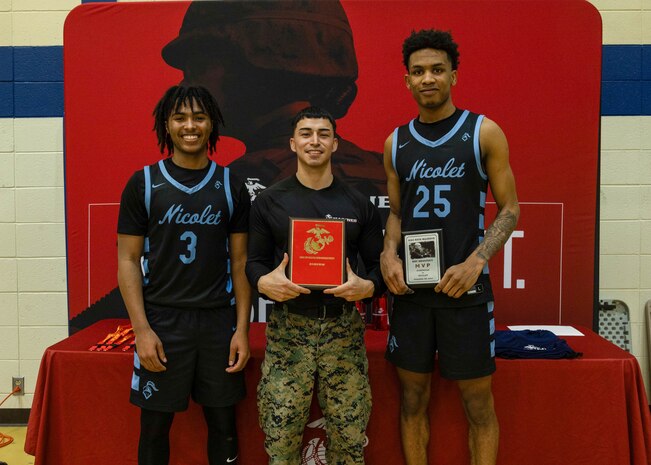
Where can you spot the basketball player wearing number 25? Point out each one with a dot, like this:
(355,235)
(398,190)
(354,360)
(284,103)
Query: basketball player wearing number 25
(439,167)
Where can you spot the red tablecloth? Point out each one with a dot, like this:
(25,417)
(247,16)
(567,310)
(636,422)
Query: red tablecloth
(591,410)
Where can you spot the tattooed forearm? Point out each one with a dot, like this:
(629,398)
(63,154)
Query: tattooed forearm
(498,233)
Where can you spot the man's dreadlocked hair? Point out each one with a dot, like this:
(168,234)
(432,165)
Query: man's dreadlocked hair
(172,100)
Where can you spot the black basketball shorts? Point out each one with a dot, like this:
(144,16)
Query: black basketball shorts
(197,345)
(463,337)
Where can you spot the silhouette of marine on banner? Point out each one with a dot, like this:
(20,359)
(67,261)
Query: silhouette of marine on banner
(262,61)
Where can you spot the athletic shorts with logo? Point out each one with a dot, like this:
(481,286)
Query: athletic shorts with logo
(197,346)
(299,347)
(463,337)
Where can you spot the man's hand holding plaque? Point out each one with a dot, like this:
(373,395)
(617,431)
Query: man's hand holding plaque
(355,288)
(277,287)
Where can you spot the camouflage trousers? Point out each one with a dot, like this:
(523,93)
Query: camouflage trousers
(299,351)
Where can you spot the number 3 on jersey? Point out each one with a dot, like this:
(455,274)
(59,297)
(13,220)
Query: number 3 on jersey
(191,253)
(441,204)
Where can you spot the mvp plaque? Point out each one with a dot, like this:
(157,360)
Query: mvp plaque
(423,257)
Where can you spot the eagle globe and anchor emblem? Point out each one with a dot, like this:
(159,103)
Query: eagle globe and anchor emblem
(318,241)
(314,450)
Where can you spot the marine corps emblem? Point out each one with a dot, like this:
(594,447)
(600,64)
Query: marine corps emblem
(320,238)
(254,187)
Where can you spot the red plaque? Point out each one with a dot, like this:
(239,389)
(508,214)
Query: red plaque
(317,251)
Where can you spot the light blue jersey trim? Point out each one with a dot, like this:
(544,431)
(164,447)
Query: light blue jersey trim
(145,262)
(394,149)
(485,270)
(229,282)
(491,325)
(147,189)
(181,187)
(135,379)
(442,140)
(478,149)
(229,195)
(482,225)
(491,305)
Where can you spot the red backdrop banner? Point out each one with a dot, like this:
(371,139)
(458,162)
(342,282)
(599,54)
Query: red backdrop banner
(533,66)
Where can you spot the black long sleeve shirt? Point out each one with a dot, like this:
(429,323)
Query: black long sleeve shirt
(269,230)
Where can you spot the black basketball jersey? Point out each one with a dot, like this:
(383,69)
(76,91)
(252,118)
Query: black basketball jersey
(443,185)
(186,261)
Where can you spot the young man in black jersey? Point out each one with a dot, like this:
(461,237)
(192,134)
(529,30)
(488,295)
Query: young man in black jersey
(438,169)
(314,332)
(182,234)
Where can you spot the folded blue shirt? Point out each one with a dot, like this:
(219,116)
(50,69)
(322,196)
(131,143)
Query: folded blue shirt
(528,343)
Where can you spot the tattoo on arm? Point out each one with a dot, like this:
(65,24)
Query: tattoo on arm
(497,234)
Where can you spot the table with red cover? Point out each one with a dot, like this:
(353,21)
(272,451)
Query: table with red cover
(592,410)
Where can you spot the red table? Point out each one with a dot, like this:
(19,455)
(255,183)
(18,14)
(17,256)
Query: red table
(591,410)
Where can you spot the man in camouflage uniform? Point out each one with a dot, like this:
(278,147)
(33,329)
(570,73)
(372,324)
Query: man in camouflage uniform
(312,335)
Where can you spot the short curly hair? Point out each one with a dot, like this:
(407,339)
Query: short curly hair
(430,38)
